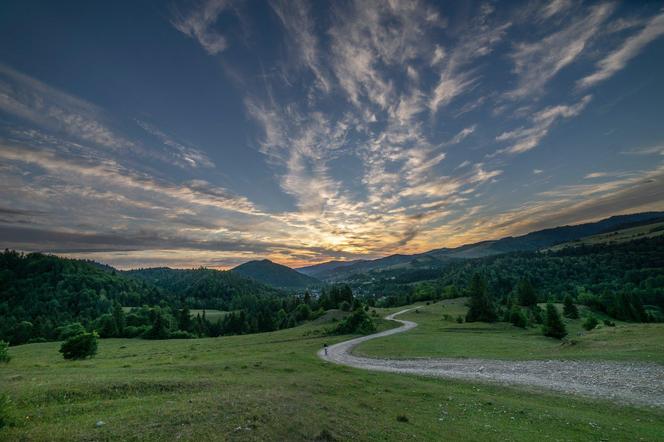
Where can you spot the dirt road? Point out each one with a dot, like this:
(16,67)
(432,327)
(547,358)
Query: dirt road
(627,382)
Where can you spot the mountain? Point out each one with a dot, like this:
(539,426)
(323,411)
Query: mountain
(275,275)
(319,269)
(339,270)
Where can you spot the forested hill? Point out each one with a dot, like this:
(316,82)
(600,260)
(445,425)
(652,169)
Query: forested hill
(276,275)
(203,288)
(606,276)
(39,292)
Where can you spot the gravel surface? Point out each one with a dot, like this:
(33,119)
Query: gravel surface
(627,382)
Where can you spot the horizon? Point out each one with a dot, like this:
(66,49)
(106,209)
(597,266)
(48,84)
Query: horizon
(212,133)
(258,258)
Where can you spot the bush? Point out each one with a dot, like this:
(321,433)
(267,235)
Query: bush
(609,323)
(517,318)
(344,306)
(459,319)
(132,331)
(553,327)
(356,322)
(80,346)
(6,410)
(590,323)
(402,418)
(4,352)
(181,334)
(68,330)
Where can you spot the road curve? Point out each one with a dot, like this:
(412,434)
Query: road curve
(626,382)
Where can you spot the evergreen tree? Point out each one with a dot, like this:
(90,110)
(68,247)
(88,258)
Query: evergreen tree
(481,307)
(119,317)
(184,318)
(569,308)
(159,329)
(553,325)
(526,293)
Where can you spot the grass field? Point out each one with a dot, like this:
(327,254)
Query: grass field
(437,337)
(273,387)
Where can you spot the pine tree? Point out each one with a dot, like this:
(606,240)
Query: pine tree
(526,293)
(481,307)
(553,326)
(184,319)
(569,309)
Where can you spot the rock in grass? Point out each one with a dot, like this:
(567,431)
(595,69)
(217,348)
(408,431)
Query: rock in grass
(100,424)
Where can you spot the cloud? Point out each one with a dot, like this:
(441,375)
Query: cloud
(296,18)
(535,64)
(184,155)
(32,100)
(199,24)
(537,171)
(618,59)
(526,138)
(657,149)
(462,135)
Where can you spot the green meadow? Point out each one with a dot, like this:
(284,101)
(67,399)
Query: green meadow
(271,386)
(437,336)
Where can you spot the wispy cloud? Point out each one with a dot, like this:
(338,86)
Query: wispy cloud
(526,138)
(184,155)
(199,23)
(618,59)
(535,64)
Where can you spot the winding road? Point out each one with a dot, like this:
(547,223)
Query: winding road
(626,382)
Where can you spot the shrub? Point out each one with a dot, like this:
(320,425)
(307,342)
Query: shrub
(181,334)
(4,352)
(609,323)
(132,331)
(569,309)
(356,322)
(459,319)
(590,323)
(344,306)
(553,327)
(68,330)
(402,418)
(517,318)
(80,346)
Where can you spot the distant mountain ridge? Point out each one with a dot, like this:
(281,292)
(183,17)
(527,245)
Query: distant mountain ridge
(275,275)
(335,270)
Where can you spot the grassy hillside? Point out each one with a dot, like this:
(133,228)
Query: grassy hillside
(649,230)
(437,337)
(272,387)
(275,275)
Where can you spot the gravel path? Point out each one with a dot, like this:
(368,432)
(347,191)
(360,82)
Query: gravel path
(626,382)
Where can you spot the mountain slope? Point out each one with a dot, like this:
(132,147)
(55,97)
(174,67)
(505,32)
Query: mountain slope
(275,275)
(336,270)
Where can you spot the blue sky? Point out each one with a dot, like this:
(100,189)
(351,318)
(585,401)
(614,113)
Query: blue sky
(192,133)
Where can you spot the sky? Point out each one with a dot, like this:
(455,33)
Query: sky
(213,132)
